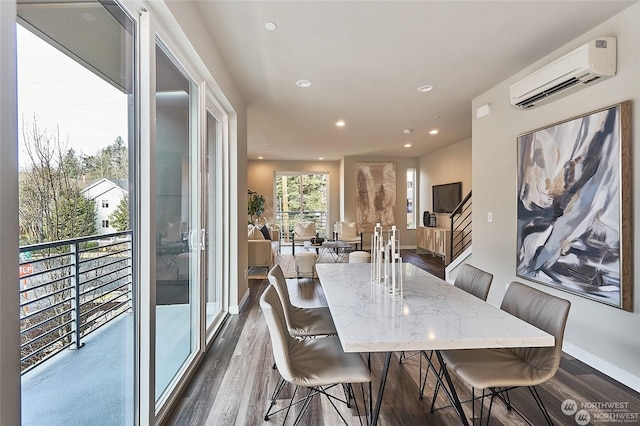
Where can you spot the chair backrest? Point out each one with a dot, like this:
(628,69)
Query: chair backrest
(348,229)
(273,312)
(544,311)
(304,229)
(474,281)
(278,281)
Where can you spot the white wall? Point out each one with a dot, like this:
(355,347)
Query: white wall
(449,164)
(602,336)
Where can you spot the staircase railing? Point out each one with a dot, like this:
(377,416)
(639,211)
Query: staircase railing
(461,229)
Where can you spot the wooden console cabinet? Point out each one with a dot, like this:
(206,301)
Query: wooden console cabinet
(436,241)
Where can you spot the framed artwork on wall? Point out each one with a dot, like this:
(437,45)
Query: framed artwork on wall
(574,218)
(375,195)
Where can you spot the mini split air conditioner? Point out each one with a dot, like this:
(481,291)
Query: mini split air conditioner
(591,62)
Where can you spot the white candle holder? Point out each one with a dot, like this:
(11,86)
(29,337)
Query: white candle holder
(386,262)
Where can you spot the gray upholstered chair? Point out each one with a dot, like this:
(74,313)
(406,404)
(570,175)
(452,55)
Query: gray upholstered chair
(499,370)
(301,322)
(317,364)
(472,280)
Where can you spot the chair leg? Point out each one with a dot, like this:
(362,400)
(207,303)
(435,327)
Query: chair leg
(305,405)
(347,393)
(538,400)
(336,408)
(274,396)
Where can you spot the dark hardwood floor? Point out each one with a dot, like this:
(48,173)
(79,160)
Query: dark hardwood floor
(234,382)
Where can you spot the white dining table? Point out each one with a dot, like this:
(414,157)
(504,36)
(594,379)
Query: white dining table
(431,315)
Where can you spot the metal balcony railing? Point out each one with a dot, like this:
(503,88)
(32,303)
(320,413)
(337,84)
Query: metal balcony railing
(461,227)
(69,289)
(286,219)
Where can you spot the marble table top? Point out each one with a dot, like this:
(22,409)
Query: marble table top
(433,314)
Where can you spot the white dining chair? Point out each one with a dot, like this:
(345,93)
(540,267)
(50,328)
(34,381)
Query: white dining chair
(316,364)
(301,322)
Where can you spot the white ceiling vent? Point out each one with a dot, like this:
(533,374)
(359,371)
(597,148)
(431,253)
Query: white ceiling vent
(591,62)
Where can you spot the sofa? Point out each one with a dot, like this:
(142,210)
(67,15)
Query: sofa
(262,250)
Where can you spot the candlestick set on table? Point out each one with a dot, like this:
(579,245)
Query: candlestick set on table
(386,262)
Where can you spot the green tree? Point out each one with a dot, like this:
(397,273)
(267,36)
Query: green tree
(111,162)
(119,219)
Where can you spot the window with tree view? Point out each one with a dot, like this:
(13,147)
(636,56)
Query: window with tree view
(301,197)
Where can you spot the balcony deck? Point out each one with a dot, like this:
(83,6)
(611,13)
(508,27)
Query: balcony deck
(94,384)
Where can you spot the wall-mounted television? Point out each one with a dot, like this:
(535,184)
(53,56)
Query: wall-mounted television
(446,197)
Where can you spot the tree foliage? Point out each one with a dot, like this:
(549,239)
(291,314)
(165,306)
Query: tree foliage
(119,219)
(51,206)
(111,162)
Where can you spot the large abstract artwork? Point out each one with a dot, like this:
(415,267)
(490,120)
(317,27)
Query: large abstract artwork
(375,195)
(574,206)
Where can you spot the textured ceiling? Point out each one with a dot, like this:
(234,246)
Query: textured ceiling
(366,59)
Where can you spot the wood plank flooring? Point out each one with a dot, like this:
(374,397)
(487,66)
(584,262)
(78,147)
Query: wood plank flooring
(235,380)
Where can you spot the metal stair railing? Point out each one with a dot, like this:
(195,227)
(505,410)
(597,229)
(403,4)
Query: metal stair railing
(461,229)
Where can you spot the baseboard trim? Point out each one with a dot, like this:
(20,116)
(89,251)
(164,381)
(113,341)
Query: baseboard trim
(604,367)
(235,309)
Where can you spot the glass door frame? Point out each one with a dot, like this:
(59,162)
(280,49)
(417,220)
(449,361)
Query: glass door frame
(221,196)
(151,30)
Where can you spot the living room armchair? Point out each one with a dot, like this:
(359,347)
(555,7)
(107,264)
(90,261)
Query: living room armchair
(348,233)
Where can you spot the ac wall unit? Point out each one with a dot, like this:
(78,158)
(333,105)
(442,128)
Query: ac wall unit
(591,62)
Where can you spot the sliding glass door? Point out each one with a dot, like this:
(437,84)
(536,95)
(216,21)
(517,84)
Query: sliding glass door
(178,230)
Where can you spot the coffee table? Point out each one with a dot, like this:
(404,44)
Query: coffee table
(334,251)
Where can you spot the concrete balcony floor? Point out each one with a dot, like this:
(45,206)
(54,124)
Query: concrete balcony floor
(94,384)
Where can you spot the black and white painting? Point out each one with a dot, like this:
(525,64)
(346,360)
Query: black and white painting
(375,195)
(570,206)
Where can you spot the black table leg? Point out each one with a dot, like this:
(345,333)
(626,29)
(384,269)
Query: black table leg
(383,381)
(454,395)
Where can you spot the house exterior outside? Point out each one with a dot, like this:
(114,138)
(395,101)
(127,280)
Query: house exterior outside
(107,195)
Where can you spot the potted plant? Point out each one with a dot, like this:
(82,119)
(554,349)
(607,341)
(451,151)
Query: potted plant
(255,205)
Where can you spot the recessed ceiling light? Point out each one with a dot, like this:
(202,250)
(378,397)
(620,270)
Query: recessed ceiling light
(260,158)
(434,132)
(407,145)
(271,26)
(320,158)
(303,83)
(407,131)
(425,88)
(340,123)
